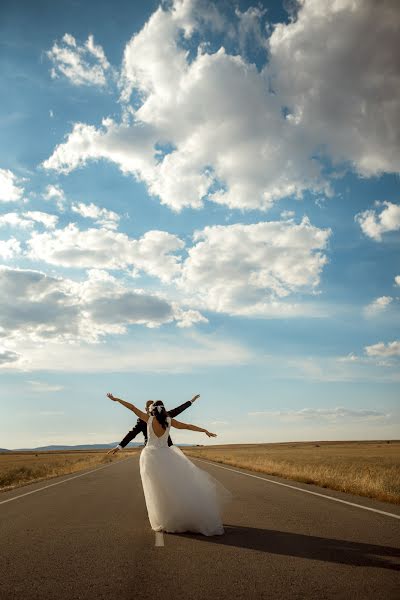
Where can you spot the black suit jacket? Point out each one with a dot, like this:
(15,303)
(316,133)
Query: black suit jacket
(141,426)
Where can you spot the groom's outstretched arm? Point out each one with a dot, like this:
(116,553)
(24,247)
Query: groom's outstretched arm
(177,411)
(140,427)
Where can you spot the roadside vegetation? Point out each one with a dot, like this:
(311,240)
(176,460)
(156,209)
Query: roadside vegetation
(369,469)
(21,468)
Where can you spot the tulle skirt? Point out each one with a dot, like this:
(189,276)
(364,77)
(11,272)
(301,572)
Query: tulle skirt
(179,496)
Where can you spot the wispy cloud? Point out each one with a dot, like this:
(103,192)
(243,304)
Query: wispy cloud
(351,357)
(54,192)
(28,219)
(378,306)
(10,186)
(384,350)
(82,65)
(43,386)
(374,224)
(101,216)
(10,248)
(329,414)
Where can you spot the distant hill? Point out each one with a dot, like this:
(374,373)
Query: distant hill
(78,447)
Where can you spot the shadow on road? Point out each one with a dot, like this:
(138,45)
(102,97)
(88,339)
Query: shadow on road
(304,546)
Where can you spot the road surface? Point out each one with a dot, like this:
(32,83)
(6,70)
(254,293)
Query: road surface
(87,536)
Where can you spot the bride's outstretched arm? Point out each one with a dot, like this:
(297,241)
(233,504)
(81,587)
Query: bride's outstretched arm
(180,425)
(142,415)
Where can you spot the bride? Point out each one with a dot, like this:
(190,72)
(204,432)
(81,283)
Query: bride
(179,496)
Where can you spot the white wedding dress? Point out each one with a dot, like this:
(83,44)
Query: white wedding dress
(179,496)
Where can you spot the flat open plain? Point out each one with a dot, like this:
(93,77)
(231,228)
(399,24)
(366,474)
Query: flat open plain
(368,468)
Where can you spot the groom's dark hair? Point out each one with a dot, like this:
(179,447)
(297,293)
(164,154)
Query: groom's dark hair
(160,415)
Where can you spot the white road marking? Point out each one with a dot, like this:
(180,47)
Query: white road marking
(159,538)
(293,487)
(63,481)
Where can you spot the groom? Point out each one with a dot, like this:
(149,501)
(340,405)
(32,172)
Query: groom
(141,426)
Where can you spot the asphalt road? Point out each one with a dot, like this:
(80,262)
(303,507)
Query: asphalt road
(89,538)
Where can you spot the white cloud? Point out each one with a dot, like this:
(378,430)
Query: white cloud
(181,352)
(209,127)
(27,220)
(43,386)
(14,219)
(71,247)
(10,189)
(131,147)
(228,137)
(59,310)
(379,356)
(351,357)
(82,65)
(49,221)
(186,318)
(397,280)
(237,269)
(377,306)
(374,224)
(250,269)
(101,216)
(330,414)
(287,214)
(9,248)
(54,192)
(335,67)
(381,349)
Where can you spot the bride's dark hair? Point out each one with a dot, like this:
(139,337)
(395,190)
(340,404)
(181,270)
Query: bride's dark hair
(160,415)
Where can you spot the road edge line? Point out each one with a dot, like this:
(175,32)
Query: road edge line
(63,481)
(293,487)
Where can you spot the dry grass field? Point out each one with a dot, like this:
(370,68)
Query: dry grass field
(369,469)
(21,468)
(365,468)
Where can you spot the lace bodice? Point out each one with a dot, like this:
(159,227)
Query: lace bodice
(153,440)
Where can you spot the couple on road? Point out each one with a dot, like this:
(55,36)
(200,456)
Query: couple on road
(179,496)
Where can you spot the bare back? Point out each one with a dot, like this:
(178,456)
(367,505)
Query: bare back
(157,436)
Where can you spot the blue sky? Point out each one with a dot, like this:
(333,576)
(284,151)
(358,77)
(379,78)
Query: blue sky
(199,198)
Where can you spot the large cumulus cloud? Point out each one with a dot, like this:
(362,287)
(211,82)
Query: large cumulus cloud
(336,68)
(255,270)
(212,126)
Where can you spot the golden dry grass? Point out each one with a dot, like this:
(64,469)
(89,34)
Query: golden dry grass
(21,468)
(369,469)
